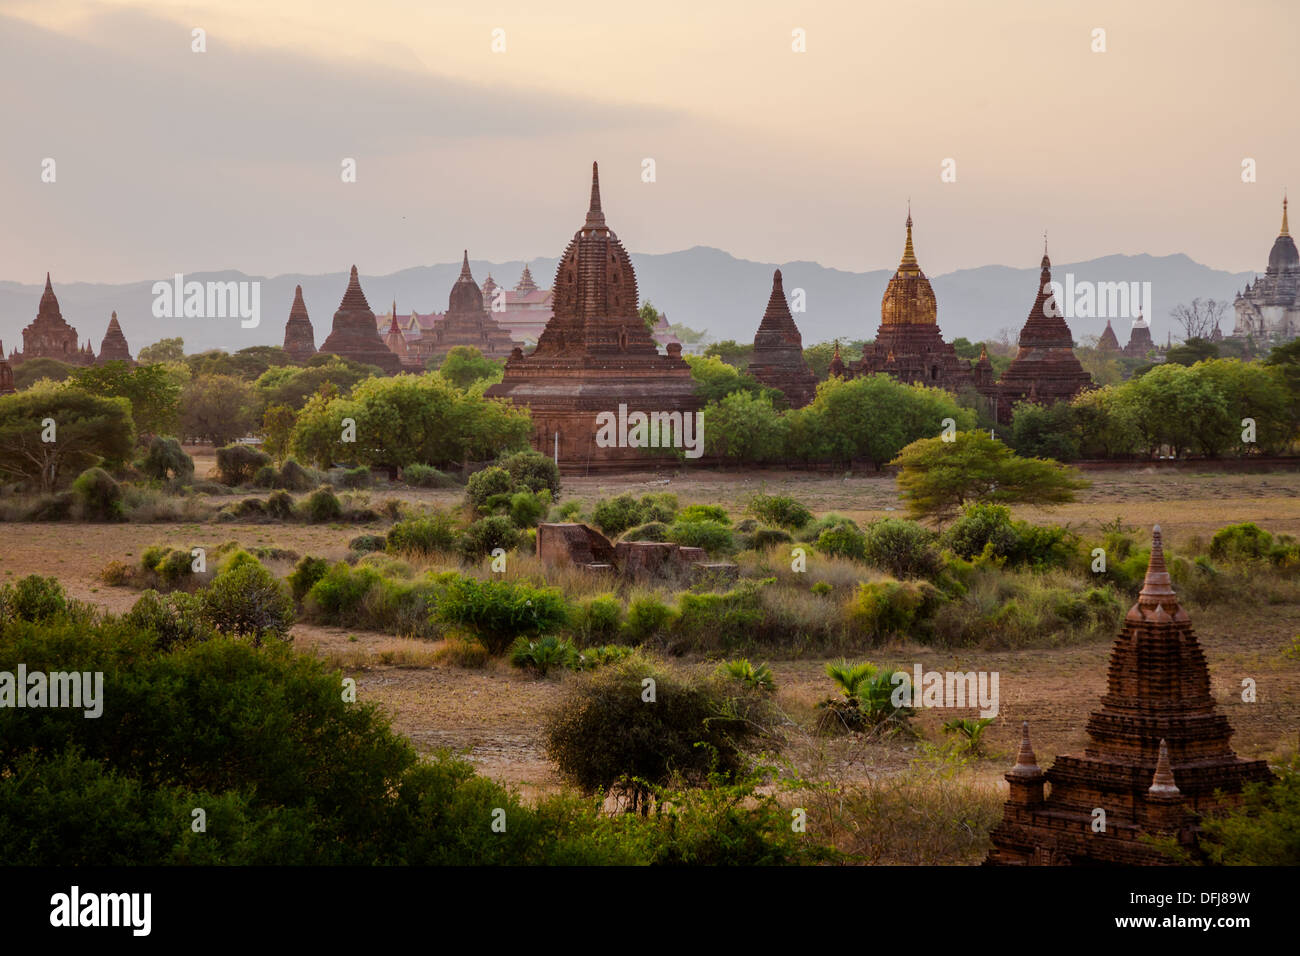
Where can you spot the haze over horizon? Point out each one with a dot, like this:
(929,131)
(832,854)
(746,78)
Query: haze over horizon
(174,161)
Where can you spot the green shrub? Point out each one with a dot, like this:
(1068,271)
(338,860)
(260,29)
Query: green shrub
(543,654)
(174,567)
(729,620)
(605,736)
(305,574)
(617,514)
(648,617)
(713,536)
(1241,542)
(483,484)
(704,513)
(813,530)
(322,505)
(902,548)
(528,508)
(499,612)
(265,477)
(430,534)
(843,541)
(247,600)
(486,535)
(885,609)
(980,526)
(659,507)
(33,598)
(533,471)
(426,476)
(237,464)
(767,538)
(652,531)
(100,497)
(293,476)
(358,477)
(597,620)
(171,619)
(166,459)
(366,543)
(280,505)
(780,510)
(755,678)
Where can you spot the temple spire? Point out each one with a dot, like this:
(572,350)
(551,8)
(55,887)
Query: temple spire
(1163,781)
(1285,231)
(464,267)
(1026,762)
(1157,587)
(50,288)
(595,216)
(908,263)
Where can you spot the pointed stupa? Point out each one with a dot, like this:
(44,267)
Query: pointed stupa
(299,336)
(49,335)
(1284,257)
(354,334)
(1026,762)
(778,351)
(468,321)
(525,283)
(1163,780)
(1108,342)
(114,347)
(836,369)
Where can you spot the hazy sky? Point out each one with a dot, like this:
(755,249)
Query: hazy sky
(169,160)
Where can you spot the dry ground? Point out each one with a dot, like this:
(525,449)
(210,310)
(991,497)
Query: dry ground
(494,713)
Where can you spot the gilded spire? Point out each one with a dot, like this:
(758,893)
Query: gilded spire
(1285,231)
(908,263)
(595,217)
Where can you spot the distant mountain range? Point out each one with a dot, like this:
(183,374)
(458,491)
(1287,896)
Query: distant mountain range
(704,288)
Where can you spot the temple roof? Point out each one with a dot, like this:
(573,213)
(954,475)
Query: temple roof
(1284,257)
(466,297)
(909,299)
(1045,327)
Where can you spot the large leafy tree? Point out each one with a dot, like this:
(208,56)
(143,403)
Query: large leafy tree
(715,380)
(465,365)
(154,394)
(938,478)
(84,430)
(218,408)
(33,370)
(745,428)
(164,350)
(293,386)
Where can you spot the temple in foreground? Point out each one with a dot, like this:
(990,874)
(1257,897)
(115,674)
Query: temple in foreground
(596,358)
(1157,752)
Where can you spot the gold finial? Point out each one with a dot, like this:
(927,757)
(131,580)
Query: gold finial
(908,263)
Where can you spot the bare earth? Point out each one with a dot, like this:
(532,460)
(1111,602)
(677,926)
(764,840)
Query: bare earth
(493,714)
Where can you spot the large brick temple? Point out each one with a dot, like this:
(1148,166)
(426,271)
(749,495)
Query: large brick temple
(1045,369)
(354,336)
(467,322)
(1158,751)
(596,355)
(299,336)
(114,348)
(778,351)
(50,336)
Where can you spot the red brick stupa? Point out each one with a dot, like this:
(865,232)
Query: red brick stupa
(1108,342)
(354,335)
(1139,339)
(6,374)
(468,323)
(778,351)
(299,336)
(909,345)
(1158,750)
(1046,365)
(596,355)
(114,347)
(50,336)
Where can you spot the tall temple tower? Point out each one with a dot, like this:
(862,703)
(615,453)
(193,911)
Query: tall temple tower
(908,342)
(1157,751)
(1045,366)
(50,336)
(467,322)
(354,335)
(1270,307)
(299,336)
(596,355)
(114,347)
(778,351)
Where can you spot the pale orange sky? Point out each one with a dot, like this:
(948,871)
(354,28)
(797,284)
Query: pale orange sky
(174,161)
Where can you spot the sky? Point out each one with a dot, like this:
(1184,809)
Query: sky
(168,160)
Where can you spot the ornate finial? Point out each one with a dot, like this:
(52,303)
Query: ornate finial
(595,217)
(1163,781)
(908,262)
(1026,762)
(1157,587)
(1285,230)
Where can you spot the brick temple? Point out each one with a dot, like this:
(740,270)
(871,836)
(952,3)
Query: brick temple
(1108,342)
(778,351)
(1139,339)
(50,336)
(299,336)
(354,335)
(6,373)
(114,347)
(596,355)
(1158,750)
(467,322)
(1045,369)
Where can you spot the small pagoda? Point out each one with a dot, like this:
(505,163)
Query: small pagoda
(114,347)
(1139,339)
(299,336)
(778,351)
(354,335)
(468,322)
(1108,342)
(596,357)
(1158,754)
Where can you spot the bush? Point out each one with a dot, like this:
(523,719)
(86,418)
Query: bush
(266,477)
(659,507)
(173,619)
(1240,542)
(617,514)
(533,471)
(166,459)
(766,538)
(483,484)
(499,612)
(604,735)
(728,620)
(99,496)
(280,505)
(980,526)
(885,609)
(366,543)
(33,598)
(755,678)
(713,536)
(528,508)
(704,513)
(780,511)
(174,567)
(293,476)
(543,654)
(427,535)
(322,505)
(653,531)
(358,477)
(426,476)
(247,600)
(597,620)
(843,541)
(648,617)
(237,464)
(305,574)
(486,535)
(901,548)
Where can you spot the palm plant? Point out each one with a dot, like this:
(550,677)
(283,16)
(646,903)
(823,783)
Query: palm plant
(971,730)
(755,678)
(543,654)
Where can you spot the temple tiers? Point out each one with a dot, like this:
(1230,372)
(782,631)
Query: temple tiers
(50,336)
(594,355)
(1045,369)
(778,351)
(299,336)
(909,345)
(114,347)
(1139,339)
(467,322)
(1108,342)
(1158,750)
(1269,308)
(354,335)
